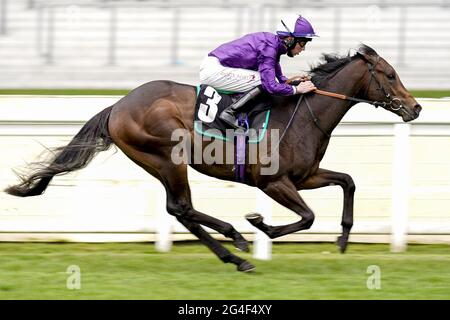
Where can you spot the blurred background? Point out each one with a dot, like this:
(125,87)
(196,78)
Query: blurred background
(98,47)
(121,44)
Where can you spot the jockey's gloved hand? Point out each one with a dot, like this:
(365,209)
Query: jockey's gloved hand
(305,77)
(305,87)
(298,79)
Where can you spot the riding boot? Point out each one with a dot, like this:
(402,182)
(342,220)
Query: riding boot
(228,115)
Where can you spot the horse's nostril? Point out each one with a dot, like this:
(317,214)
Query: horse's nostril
(417,108)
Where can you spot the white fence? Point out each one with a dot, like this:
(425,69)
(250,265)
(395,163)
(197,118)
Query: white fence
(402,174)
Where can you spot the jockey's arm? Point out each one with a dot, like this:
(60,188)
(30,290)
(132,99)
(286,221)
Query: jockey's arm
(279,74)
(267,69)
(271,85)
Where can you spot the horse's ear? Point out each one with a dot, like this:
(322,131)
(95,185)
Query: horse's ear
(364,56)
(367,53)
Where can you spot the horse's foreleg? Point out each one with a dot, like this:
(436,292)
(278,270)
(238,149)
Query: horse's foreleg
(324,178)
(284,192)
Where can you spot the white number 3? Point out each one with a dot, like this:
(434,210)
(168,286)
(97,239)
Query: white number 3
(207,112)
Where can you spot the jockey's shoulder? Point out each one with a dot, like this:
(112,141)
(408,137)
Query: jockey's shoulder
(263,35)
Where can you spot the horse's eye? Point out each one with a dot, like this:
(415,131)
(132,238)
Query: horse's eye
(391,76)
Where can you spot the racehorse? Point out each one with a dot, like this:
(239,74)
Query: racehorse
(141,124)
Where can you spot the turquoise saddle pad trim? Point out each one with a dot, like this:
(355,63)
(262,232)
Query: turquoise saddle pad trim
(258,139)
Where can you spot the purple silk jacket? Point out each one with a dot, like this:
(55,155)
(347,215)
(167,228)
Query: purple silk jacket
(261,52)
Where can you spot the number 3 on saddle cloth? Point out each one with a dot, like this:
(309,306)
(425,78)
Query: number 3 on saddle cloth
(211,102)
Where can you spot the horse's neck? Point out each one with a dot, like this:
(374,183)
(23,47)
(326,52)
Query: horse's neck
(330,111)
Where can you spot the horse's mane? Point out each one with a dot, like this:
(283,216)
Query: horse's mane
(332,63)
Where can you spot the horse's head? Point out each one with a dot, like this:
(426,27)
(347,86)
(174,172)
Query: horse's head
(385,87)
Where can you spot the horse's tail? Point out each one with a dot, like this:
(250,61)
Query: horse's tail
(92,138)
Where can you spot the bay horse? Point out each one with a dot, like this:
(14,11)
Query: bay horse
(141,124)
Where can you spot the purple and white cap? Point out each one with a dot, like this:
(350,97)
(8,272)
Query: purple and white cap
(297,27)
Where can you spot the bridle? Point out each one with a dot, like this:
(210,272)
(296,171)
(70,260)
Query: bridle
(394,103)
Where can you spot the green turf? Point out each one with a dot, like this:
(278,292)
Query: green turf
(190,271)
(121,92)
(430,93)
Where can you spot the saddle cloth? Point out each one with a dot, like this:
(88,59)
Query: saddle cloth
(211,102)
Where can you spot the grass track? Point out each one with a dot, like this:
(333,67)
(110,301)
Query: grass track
(190,271)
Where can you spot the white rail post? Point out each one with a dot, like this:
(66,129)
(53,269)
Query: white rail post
(400,187)
(163,241)
(262,243)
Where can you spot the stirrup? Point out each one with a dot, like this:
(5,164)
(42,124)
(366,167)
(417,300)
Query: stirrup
(226,117)
(242,101)
(233,124)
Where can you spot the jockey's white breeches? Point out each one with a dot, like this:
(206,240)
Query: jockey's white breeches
(225,78)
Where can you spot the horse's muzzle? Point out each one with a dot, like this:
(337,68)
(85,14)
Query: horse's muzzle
(410,113)
(417,108)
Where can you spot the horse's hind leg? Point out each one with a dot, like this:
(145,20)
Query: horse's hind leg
(220,226)
(179,204)
(174,179)
(215,246)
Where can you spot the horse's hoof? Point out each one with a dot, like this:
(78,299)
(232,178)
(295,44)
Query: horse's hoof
(242,245)
(254,218)
(245,267)
(342,243)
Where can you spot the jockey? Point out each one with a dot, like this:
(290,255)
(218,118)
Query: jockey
(252,63)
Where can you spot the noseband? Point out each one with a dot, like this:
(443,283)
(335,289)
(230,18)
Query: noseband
(394,103)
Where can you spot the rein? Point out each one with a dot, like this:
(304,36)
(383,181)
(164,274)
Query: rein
(394,103)
(376,104)
(288,124)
